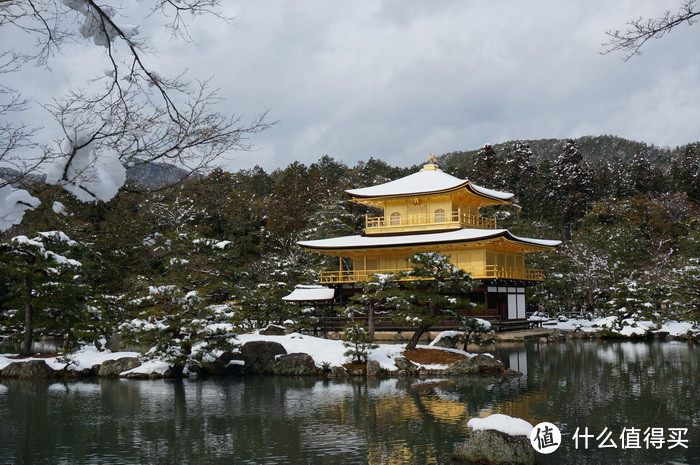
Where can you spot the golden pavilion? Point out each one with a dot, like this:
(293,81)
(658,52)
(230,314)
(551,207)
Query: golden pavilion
(432,211)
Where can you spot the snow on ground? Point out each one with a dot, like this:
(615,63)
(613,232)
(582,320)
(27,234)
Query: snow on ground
(86,357)
(321,350)
(331,351)
(630,326)
(151,366)
(503,423)
(677,328)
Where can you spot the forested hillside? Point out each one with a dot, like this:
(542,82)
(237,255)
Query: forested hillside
(153,265)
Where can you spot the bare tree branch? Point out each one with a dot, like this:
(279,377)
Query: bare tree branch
(131,109)
(640,30)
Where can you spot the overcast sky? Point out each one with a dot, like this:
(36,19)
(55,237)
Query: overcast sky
(398,79)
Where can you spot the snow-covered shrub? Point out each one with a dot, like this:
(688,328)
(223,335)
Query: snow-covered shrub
(476,331)
(358,343)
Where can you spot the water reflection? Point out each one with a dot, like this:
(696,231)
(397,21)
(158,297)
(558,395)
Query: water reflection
(393,421)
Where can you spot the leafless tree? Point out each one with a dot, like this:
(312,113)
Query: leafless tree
(640,30)
(130,110)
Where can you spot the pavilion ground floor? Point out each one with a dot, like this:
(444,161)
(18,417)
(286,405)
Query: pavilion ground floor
(501,302)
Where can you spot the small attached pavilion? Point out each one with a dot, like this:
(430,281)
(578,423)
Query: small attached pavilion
(311,295)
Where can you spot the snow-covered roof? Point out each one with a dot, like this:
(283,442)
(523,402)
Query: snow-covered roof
(460,235)
(309,293)
(492,193)
(423,182)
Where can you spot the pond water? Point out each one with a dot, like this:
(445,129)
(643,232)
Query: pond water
(277,420)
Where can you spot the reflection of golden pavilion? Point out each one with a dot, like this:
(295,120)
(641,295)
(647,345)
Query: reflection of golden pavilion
(432,211)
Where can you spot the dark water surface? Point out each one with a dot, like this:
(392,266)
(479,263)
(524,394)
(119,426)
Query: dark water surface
(276,420)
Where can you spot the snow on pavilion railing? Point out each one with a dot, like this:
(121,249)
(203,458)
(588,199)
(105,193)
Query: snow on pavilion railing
(455,219)
(486,272)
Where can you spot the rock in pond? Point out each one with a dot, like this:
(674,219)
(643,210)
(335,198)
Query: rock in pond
(477,364)
(373,368)
(219,367)
(295,364)
(498,439)
(32,369)
(406,366)
(114,367)
(496,448)
(260,356)
(338,372)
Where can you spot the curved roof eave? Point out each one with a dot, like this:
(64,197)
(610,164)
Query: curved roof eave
(450,237)
(425,182)
(476,190)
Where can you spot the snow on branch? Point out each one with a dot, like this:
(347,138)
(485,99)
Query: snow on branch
(136,115)
(13,204)
(85,174)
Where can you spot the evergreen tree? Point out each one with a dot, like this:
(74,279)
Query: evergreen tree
(475,331)
(433,289)
(373,299)
(518,171)
(571,188)
(359,343)
(44,287)
(644,177)
(685,172)
(373,172)
(488,168)
(611,179)
(330,176)
(261,304)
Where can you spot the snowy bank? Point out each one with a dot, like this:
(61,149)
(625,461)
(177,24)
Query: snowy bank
(85,358)
(330,352)
(622,327)
(325,354)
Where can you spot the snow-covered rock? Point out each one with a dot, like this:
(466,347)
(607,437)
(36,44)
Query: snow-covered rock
(497,439)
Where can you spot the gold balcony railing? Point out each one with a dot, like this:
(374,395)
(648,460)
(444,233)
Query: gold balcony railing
(487,272)
(436,221)
(510,272)
(354,276)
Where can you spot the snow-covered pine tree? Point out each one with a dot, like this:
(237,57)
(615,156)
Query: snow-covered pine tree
(46,294)
(612,179)
(644,177)
(261,304)
(432,290)
(375,296)
(488,168)
(358,342)
(518,171)
(572,189)
(685,172)
(173,311)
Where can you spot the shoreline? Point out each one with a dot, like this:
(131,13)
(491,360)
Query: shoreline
(303,356)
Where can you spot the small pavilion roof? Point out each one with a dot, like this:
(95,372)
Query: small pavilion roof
(426,181)
(310,293)
(460,235)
